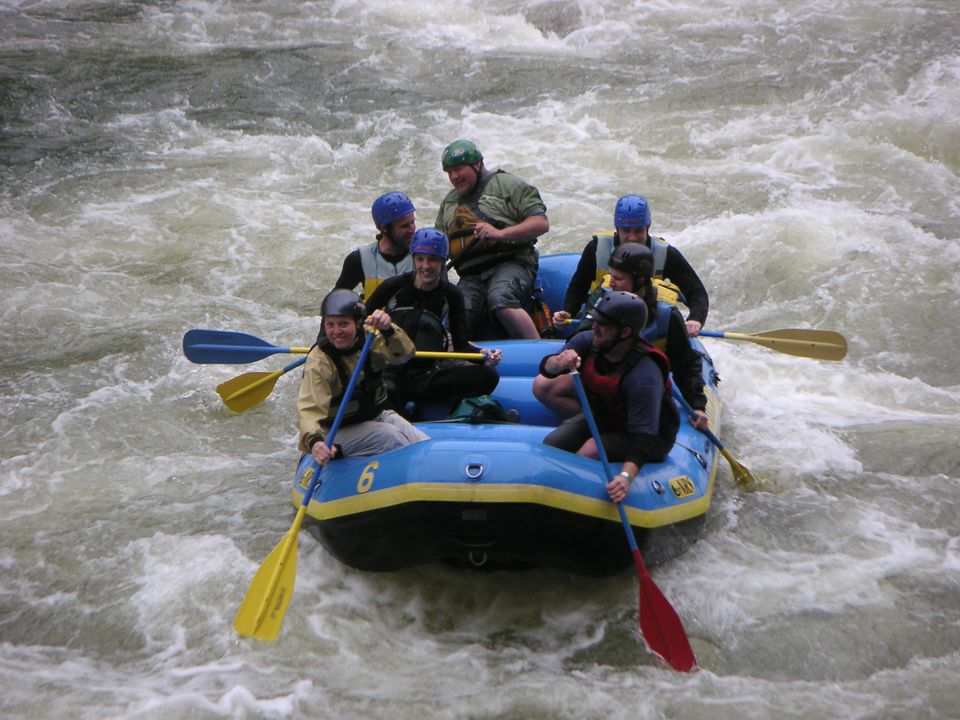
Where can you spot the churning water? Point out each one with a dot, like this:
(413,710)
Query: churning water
(168,165)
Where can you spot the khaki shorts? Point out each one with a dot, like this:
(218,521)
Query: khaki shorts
(507,285)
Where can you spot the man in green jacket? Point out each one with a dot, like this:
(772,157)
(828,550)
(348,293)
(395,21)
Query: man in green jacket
(493,220)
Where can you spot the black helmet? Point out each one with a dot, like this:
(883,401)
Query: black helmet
(343,303)
(635,259)
(622,309)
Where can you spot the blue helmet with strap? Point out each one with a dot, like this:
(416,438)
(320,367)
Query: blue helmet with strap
(430,241)
(389,207)
(631,211)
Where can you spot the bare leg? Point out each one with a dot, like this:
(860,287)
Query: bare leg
(589,449)
(557,394)
(517,323)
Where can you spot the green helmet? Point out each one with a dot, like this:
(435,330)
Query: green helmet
(461,152)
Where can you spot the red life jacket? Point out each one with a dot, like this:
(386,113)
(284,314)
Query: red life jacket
(603,391)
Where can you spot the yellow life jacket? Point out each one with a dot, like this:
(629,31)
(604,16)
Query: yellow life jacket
(605,248)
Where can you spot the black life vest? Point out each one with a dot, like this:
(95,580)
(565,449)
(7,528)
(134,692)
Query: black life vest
(370,393)
(421,324)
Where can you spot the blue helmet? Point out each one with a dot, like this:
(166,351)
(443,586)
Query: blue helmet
(430,241)
(631,211)
(390,207)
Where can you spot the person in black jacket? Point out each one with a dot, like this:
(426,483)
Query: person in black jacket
(631,268)
(631,220)
(389,255)
(419,302)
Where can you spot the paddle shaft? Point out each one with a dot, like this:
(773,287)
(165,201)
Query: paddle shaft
(741,475)
(595,431)
(424,354)
(660,626)
(690,411)
(258,352)
(269,602)
(228,347)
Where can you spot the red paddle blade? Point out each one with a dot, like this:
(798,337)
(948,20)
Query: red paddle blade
(660,625)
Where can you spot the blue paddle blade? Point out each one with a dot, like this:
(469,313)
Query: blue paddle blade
(225,347)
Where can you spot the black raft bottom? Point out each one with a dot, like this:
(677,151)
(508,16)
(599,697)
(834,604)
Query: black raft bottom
(495,537)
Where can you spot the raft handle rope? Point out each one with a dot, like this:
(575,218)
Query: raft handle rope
(477,558)
(700,458)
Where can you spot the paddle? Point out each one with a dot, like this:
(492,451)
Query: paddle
(816,344)
(233,348)
(741,475)
(261,613)
(225,347)
(250,389)
(660,626)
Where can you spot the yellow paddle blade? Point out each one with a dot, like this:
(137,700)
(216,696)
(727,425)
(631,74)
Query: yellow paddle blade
(248,390)
(741,476)
(261,613)
(816,344)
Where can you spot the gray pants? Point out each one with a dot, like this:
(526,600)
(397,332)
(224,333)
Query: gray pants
(387,431)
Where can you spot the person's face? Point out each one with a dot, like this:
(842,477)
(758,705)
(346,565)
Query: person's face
(427,268)
(606,337)
(620,280)
(400,231)
(341,330)
(463,178)
(634,234)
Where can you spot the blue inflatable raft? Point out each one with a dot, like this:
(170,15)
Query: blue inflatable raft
(492,495)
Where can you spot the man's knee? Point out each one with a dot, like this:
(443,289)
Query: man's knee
(541,387)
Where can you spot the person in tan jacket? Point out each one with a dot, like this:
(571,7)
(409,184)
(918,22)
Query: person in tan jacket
(367,427)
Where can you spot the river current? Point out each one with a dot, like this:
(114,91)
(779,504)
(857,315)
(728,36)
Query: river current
(171,165)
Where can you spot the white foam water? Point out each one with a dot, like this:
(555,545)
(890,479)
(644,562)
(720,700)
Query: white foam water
(208,164)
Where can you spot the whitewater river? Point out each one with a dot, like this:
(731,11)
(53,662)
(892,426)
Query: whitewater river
(170,165)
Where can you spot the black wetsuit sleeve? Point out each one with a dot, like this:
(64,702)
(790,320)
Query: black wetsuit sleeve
(685,362)
(684,277)
(582,279)
(351,274)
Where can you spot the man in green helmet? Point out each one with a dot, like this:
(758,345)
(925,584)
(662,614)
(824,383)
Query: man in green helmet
(493,220)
